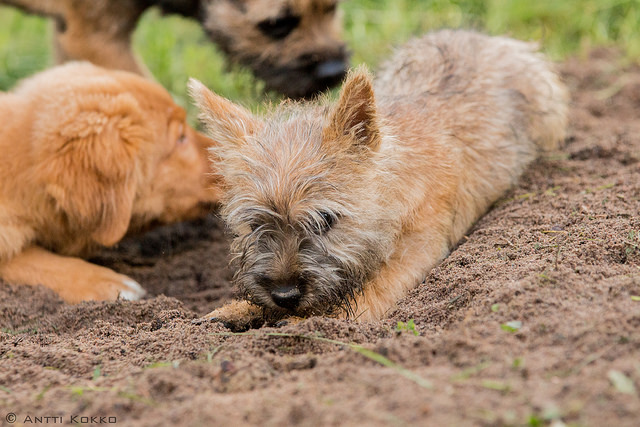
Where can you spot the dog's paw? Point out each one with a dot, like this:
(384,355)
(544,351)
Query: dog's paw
(134,291)
(95,283)
(239,316)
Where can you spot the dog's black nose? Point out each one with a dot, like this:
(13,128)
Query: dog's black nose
(286,296)
(331,71)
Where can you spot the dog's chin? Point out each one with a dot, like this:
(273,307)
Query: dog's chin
(272,313)
(297,82)
(189,213)
(199,210)
(297,85)
(309,306)
(141,224)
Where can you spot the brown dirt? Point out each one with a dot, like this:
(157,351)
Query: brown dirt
(560,253)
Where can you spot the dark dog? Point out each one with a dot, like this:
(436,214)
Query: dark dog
(293,45)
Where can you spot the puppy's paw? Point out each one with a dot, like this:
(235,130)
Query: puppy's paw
(134,291)
(95,283)
(239,316)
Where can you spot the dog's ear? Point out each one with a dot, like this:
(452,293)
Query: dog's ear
(89,160)
(226,122)
(355,114)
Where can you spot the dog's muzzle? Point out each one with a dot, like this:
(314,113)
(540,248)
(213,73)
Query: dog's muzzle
(286,297)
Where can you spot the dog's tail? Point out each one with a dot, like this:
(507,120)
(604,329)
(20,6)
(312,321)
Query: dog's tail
(546,96)
(504,81)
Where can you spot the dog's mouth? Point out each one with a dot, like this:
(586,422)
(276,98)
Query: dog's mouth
(301,300)
(305,78)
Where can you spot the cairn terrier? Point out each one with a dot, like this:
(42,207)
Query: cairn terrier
(340,209)
(293,45)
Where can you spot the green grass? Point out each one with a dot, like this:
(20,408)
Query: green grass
(175,49)
(409,326)
(24,46)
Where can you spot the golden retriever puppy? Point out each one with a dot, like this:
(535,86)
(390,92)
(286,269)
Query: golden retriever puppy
(86,155)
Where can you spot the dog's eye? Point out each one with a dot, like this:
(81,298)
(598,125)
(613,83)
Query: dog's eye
(180,131)
(330,8)
(280,27)
(328,219)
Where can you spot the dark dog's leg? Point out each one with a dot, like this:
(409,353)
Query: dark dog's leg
(95,31)
(73,279)
(39,7)
(100,32)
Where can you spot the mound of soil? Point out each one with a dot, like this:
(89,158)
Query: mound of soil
(533,319)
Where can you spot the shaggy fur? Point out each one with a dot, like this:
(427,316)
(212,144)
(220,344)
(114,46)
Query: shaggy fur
(340,209)
(293,45)
(87,155)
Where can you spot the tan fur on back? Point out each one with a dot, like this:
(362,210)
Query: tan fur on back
(340,209)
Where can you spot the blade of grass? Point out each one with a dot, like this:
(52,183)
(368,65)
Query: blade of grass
(369,354)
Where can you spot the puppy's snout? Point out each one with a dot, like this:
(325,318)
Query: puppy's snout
(331,71)
(286,296)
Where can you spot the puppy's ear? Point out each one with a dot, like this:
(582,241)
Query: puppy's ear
(355,114)
(226,122)
(89,159)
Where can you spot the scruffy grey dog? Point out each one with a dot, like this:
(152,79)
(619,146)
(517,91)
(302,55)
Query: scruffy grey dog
(293,45)
(339,209)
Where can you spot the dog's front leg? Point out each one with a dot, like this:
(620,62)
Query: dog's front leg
(241,315)
(412,260)
(238,315)
(73,279)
